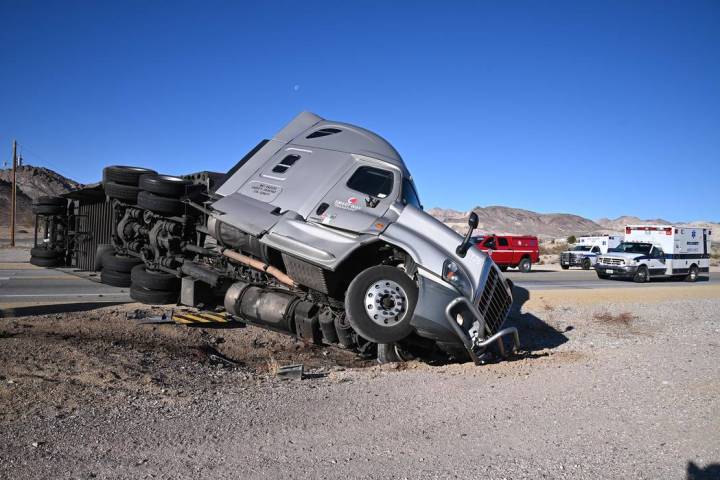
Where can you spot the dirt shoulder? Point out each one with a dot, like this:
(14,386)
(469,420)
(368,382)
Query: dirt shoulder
(603,390)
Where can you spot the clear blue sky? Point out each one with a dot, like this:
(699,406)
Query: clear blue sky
(594,108)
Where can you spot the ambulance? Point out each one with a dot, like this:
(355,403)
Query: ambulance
(658,251)
(586,250)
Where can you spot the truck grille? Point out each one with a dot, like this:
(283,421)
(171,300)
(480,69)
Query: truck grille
(494,302)
(611,261)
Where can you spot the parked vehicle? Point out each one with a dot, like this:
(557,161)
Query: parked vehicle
(586,250)
(510,250)
(318,232)
(657,251)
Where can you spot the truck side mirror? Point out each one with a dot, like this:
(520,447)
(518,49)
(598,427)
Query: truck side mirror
(473,220)
(462,249)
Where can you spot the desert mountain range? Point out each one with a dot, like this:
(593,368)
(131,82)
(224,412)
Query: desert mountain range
(34,182)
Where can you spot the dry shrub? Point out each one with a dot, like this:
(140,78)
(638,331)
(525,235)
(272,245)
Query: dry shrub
(623,318)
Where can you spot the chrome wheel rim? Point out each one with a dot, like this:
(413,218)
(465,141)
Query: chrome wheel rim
(385,302)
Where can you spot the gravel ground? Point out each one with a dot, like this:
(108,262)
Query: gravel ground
(625,391)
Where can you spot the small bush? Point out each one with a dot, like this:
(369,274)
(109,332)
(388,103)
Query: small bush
(623,318)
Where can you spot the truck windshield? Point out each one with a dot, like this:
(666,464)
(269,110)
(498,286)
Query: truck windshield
(580,248)
(632,247)
(409,194)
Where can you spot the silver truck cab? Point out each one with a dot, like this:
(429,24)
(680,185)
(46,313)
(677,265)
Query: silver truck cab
(334,207)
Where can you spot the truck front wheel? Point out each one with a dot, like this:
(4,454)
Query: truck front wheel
(380,303)
(641,276)
(525,265)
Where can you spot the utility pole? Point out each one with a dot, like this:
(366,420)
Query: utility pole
(13,196)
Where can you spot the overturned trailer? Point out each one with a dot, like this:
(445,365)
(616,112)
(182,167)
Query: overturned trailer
(317,232)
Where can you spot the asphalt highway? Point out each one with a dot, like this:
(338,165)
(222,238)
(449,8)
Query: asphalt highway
(547,279)
(25,286)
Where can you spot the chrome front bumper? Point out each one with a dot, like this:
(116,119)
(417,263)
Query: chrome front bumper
(470,326)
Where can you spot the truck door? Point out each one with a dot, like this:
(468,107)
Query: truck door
(489,245)
(359,199)
(504,253)
(657,263)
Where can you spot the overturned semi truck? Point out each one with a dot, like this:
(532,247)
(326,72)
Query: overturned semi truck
(318,232)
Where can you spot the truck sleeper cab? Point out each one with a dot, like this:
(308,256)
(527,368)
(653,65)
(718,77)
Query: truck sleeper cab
(317,232)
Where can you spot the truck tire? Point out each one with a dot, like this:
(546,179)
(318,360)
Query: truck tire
(124,175)
(115,279)
(586,264)
(164,185)
(392,353)
(46,262)
(604,276)
(565,267)
(119,263)
(57,201)
(40,252)
(48,210)
(101,250)
(380,303)
(158,204)
(525,265)
(641,275)
(153,280)
(119,191)
(693,273)
(153,297)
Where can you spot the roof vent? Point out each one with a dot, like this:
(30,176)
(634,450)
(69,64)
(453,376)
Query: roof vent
(324,132)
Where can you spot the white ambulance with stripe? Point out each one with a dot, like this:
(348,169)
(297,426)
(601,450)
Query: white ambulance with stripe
(658,251)
(586,250)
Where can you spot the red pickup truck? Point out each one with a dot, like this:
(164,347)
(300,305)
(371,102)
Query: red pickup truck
(510,251)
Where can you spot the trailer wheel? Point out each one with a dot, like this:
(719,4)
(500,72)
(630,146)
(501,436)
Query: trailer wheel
(40,252)
(692,275)
(116,279)
(641,276)
(46,262)
(119,263)
(525,265)
(153,280)
(586,264)
(48,210)
(159,204)
(119,191)
(153,297)
(380,303)
(392,353)
(57,201)
(165,185)
(124,175)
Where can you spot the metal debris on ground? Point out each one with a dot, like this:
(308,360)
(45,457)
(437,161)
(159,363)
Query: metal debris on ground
(206,319)
(291,371)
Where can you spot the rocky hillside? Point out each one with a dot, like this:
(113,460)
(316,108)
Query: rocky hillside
(39,181)
(515,221)
(24,207)
(506,220)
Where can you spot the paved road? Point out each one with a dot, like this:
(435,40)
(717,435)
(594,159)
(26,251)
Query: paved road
(539,279)
(25,286)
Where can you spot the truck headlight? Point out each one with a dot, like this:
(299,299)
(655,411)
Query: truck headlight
(454,275)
